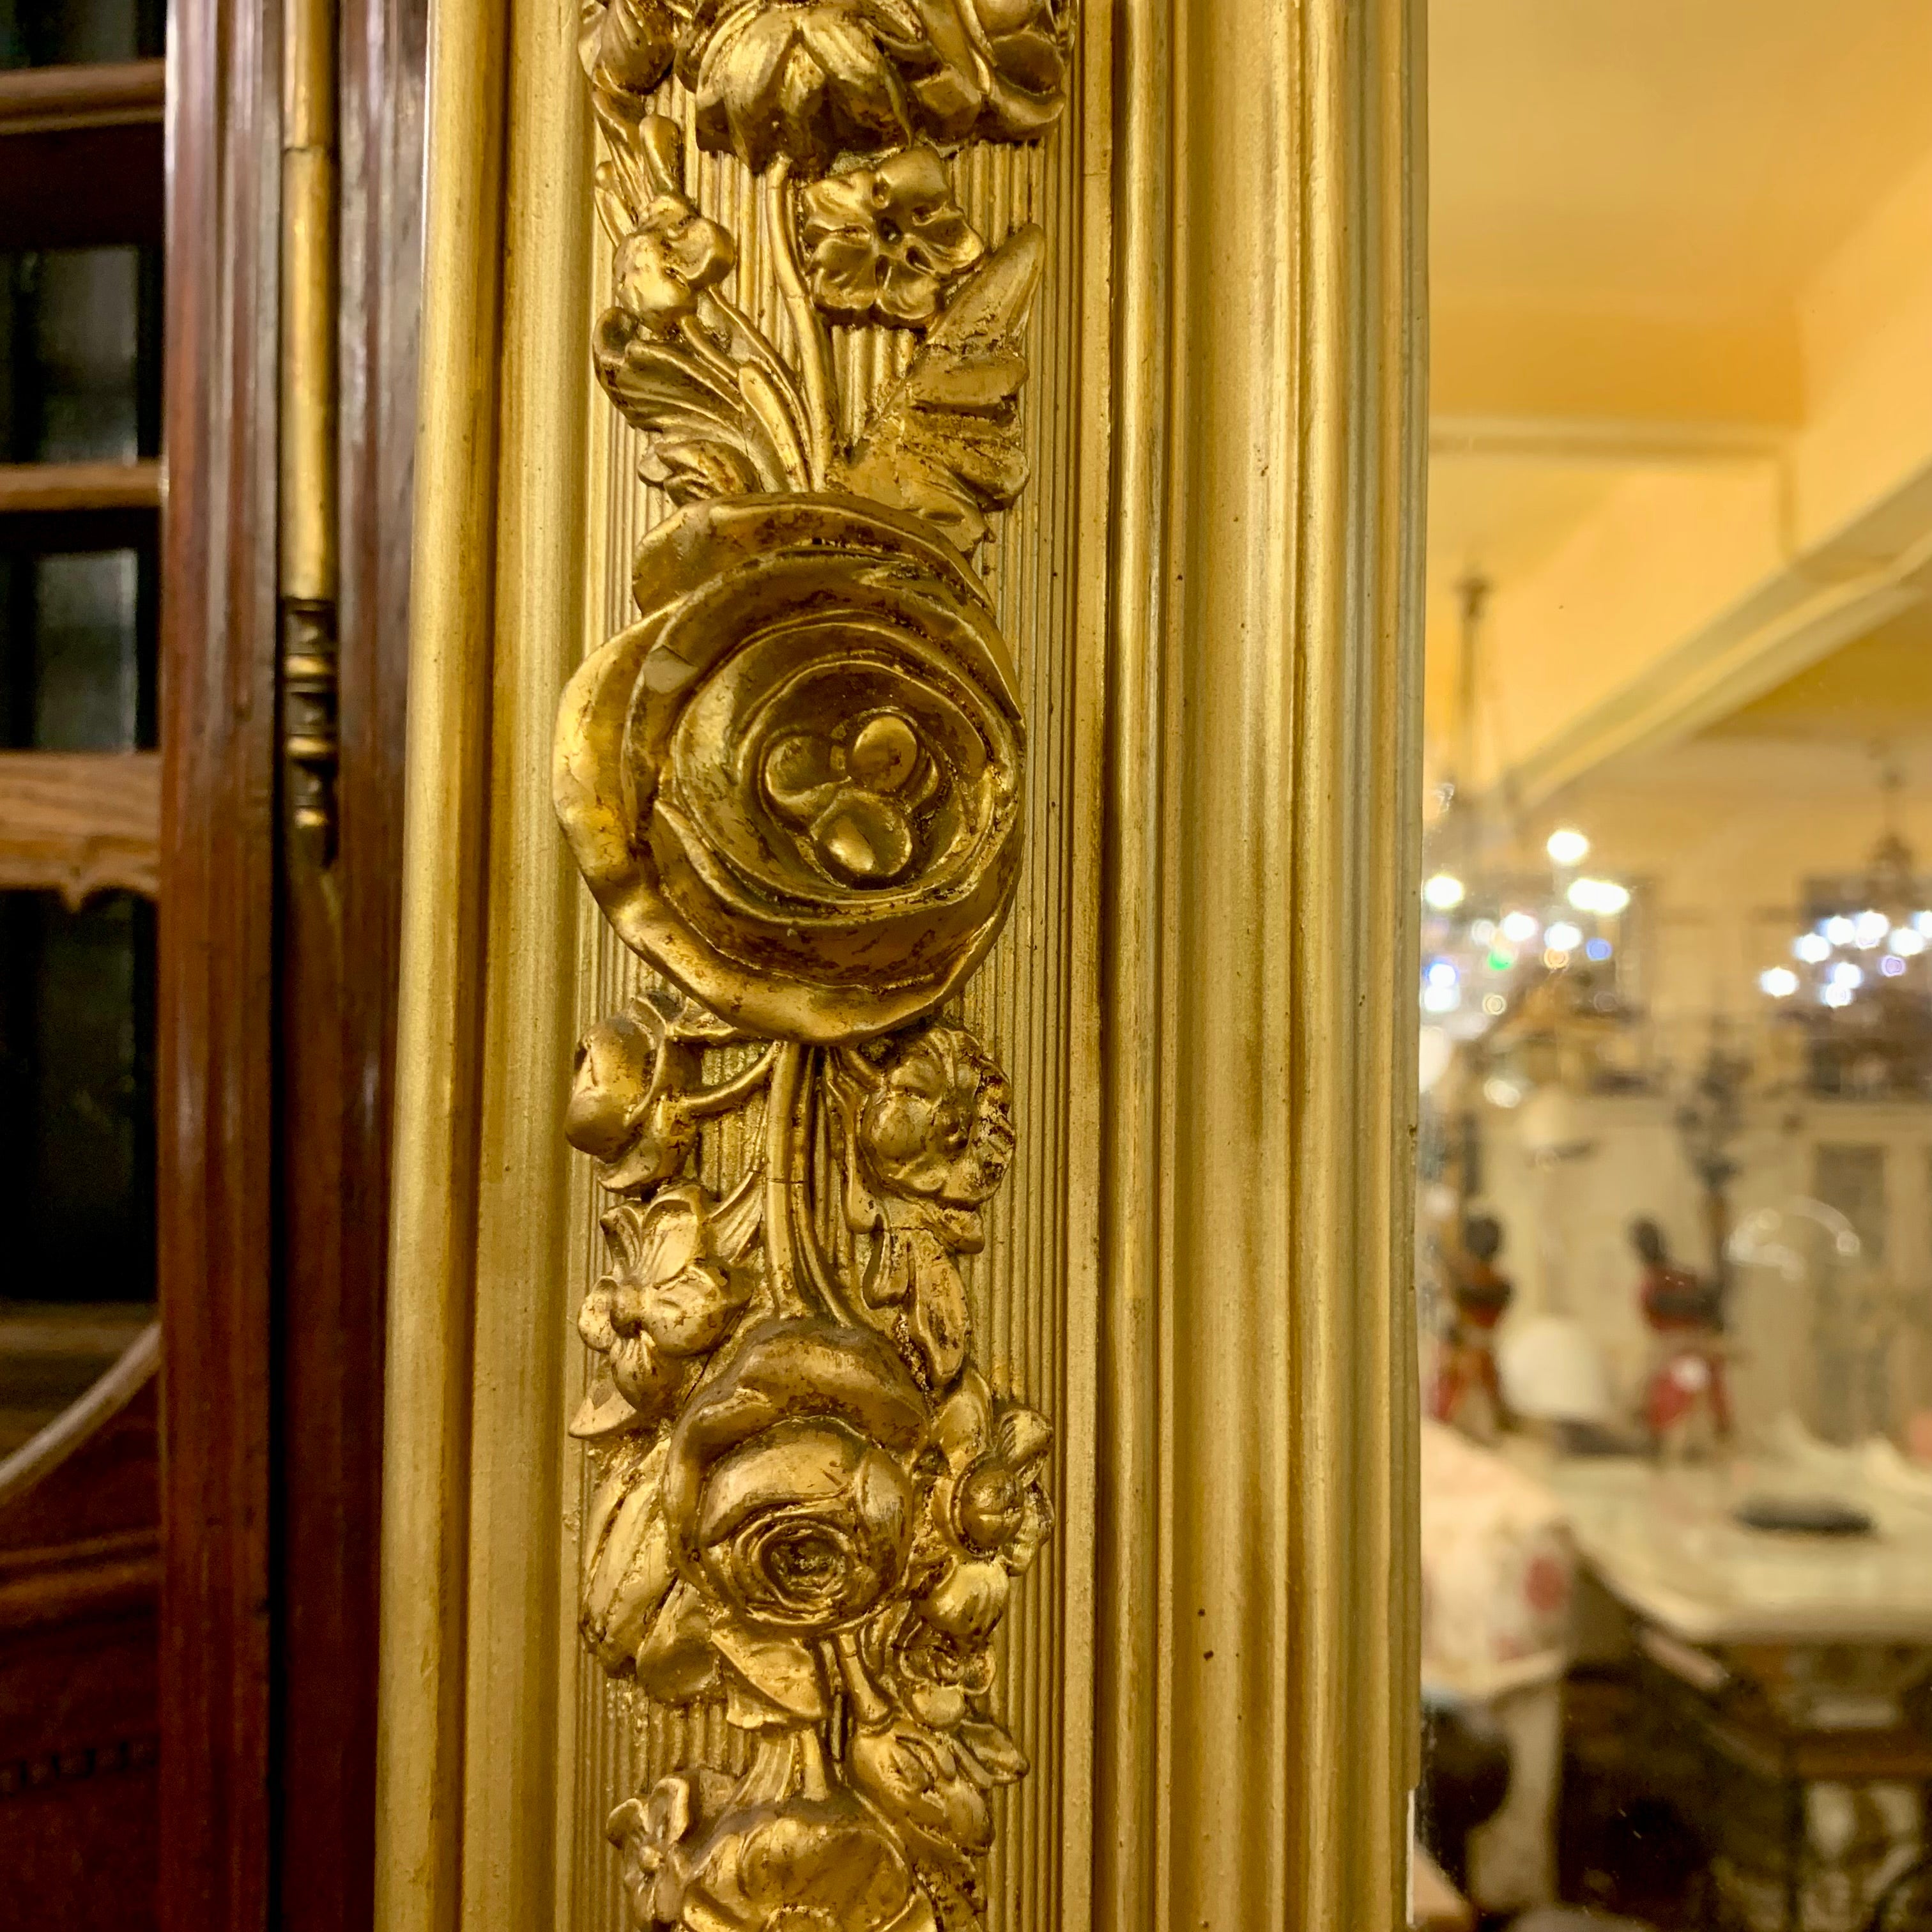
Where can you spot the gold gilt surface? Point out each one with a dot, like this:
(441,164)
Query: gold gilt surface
(1196,1263)
(1009,205)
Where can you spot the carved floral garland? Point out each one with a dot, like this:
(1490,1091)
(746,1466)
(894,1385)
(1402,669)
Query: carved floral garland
(794,786)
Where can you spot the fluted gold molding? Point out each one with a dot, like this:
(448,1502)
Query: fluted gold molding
(471,1613)
(426,1430)
(1242,877)
(1256,1659)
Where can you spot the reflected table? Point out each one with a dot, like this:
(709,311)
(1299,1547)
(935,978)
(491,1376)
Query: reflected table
(1784,1672)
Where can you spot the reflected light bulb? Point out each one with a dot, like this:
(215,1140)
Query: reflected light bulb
(1443,893)
(1781,982)
(1567,846)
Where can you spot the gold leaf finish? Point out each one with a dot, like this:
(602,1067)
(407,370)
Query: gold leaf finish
(794,786)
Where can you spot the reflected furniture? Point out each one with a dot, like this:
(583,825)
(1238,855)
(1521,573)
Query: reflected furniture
(1781,1675)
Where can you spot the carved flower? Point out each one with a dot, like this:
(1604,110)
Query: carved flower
(810,1864)
(665,263)
(989,1507)
(934,1134)
(625,45)
(767,621)
(807,80)
(939,1127)
(935,1675)
(785,1487)
(1024,47)
(650,1833)
(881,242)
(670,1300)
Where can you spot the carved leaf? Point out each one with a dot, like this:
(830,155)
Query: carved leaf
(628,1571)
(1000,1760)
(707,439)
(646,161)
(916,1776)
(781,1674)
(660,387)
(676,1661)
(947,440)
(938,1320)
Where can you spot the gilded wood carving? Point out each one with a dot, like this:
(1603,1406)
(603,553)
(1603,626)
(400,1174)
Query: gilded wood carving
(793,786)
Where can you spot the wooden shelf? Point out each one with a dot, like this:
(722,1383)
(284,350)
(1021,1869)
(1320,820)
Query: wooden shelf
(61,488)
(78,823)
(81,161)
(116,94)
(78,506)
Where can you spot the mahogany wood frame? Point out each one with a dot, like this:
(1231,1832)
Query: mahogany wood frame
(276,1000)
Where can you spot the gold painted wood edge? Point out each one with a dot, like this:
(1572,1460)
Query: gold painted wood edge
(78,823)
(444,955)
(521,1473)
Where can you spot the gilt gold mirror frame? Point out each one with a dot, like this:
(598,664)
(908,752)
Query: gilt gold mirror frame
(927,492)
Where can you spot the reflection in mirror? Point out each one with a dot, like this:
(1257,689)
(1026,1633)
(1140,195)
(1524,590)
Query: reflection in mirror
(1675,1191)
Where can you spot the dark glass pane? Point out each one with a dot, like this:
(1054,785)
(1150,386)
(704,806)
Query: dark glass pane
(79,354)
(77,1097)
(56,33)
(77,650)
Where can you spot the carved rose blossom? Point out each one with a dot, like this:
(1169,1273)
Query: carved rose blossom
(808,1864)
(811,81)
(881,243)
(766,620)
(670,1300)
(669,259)
(786,1490)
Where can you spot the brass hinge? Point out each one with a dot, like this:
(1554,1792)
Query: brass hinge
(310,710)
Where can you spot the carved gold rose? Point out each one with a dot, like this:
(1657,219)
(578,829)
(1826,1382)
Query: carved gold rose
(794,784)
(786,1490)
(808,82)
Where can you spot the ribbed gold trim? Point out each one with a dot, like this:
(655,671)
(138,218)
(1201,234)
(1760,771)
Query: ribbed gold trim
(440,1037)
(1256,1656)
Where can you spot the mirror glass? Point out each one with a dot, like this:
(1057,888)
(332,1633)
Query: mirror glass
(1674,1251)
